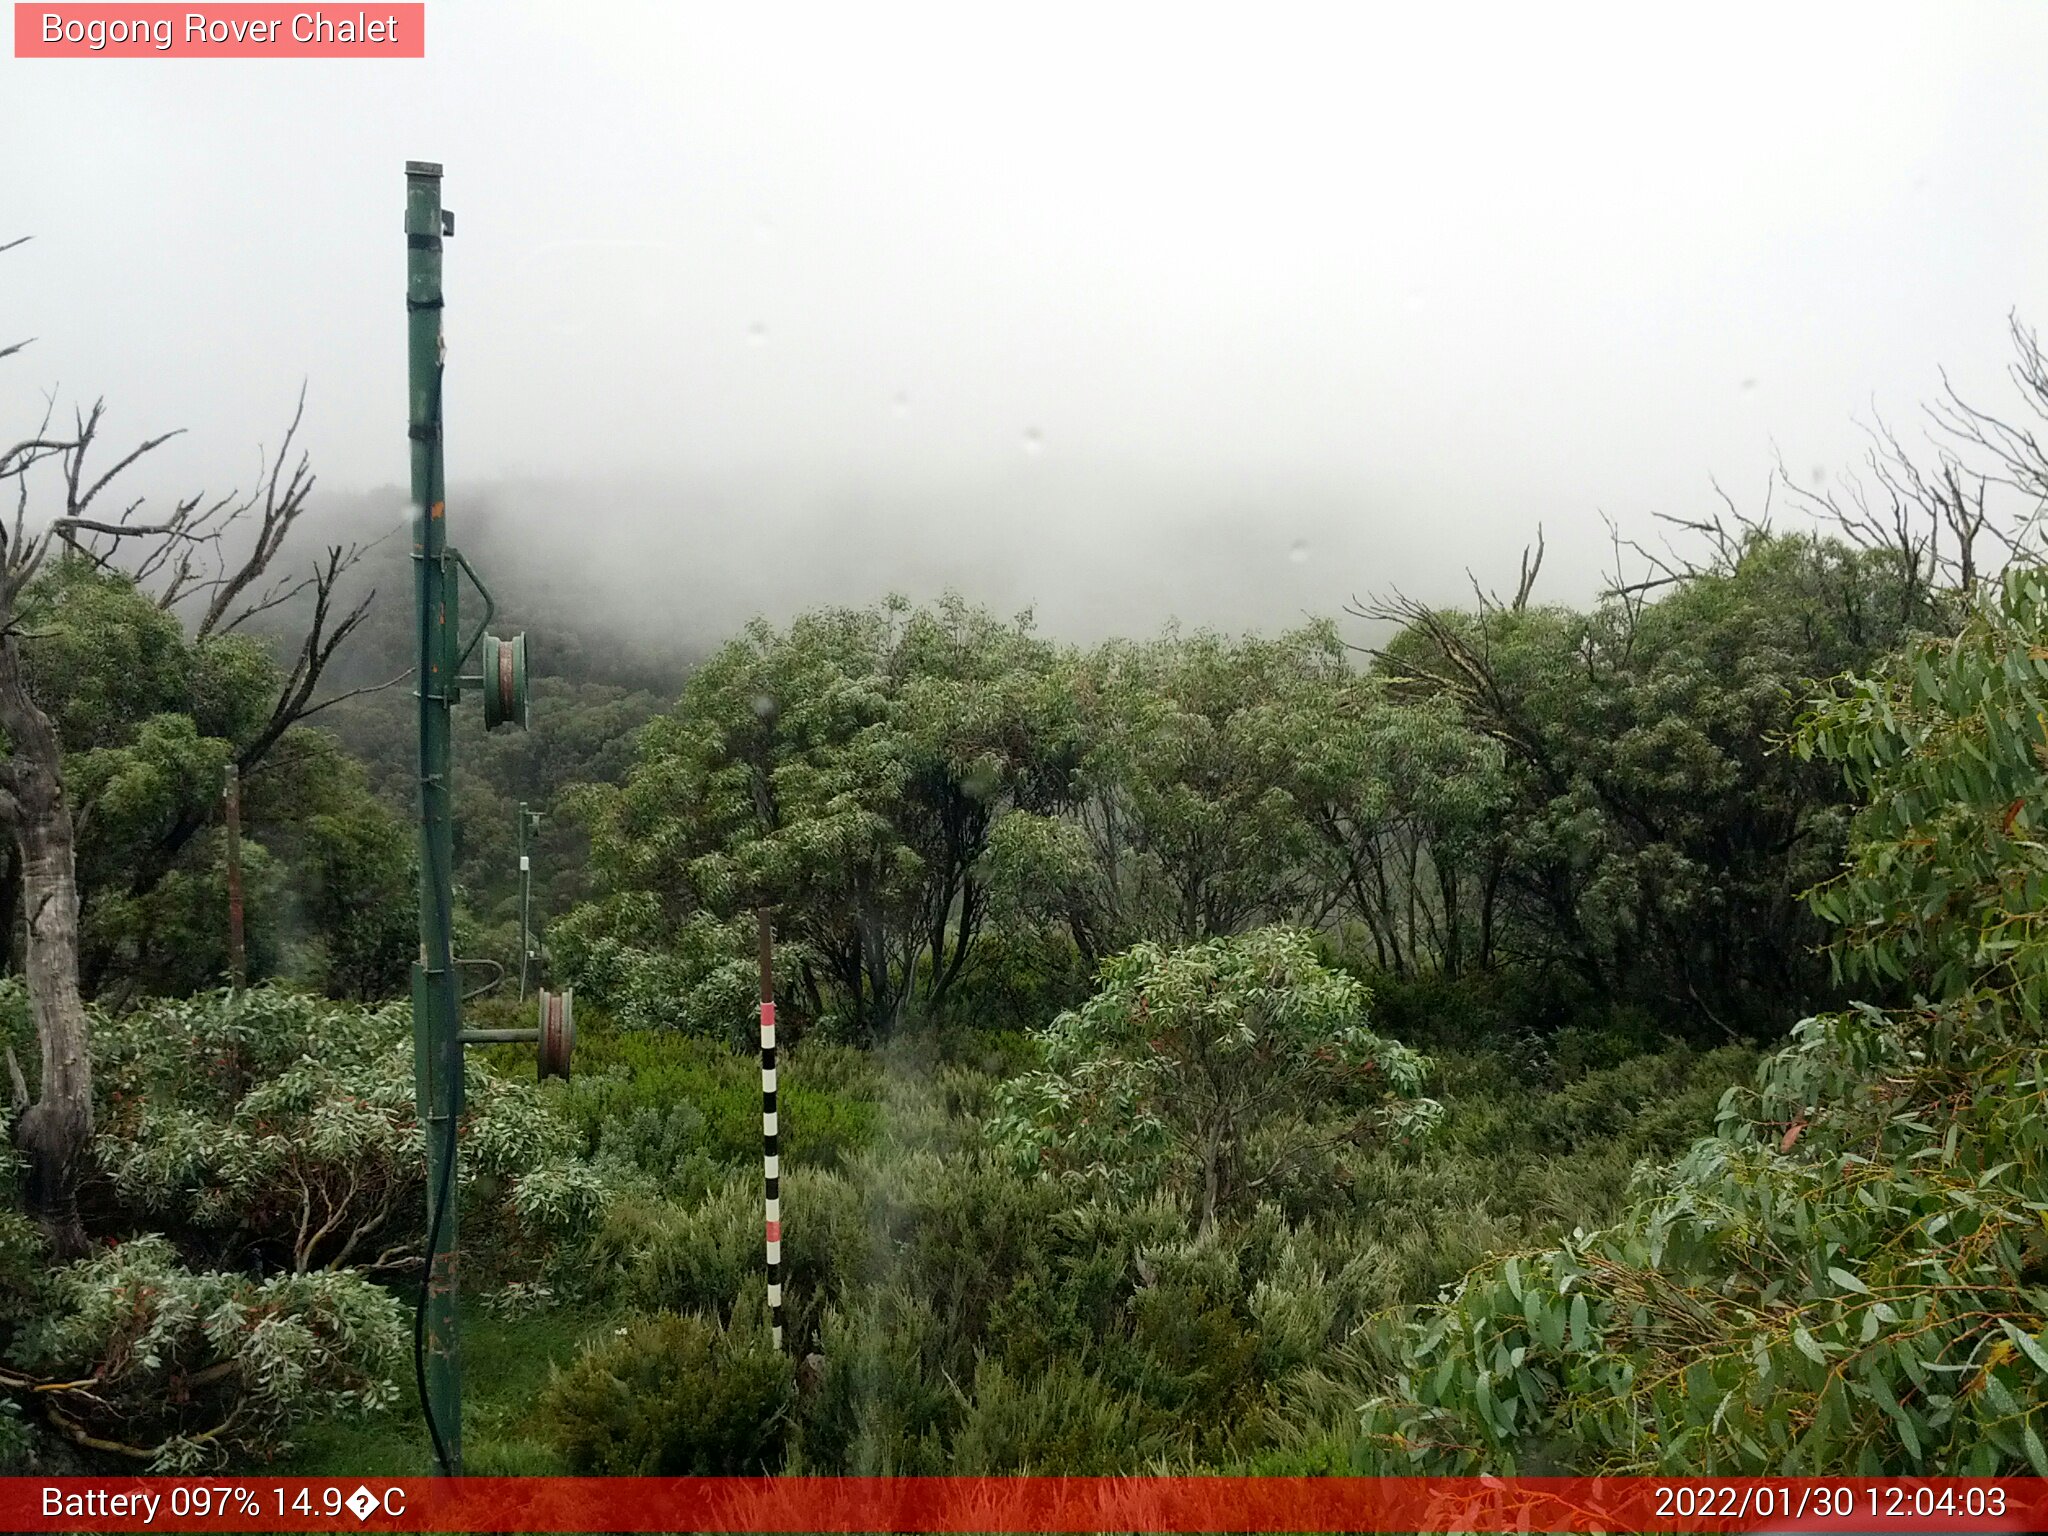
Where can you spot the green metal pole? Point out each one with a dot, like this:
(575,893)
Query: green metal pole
(437,1044)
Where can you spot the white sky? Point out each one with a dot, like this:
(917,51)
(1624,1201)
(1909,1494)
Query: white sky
(1113,308)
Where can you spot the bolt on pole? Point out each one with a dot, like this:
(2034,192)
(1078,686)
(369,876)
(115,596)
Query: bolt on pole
(437,1046)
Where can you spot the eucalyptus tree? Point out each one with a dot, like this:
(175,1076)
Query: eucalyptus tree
(212,559)
(1402,798)
(844,773)
(1656,835)
(1179,819)
(1847,1273)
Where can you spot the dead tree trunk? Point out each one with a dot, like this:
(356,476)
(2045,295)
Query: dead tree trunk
(54,1130)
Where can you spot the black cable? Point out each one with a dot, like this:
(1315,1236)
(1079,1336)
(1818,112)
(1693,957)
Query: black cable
(419,1311)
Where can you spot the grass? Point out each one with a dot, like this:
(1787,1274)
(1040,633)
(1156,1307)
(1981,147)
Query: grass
(506,1362)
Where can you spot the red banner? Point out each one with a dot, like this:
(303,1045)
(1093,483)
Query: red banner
(1023,1504)
(261,31)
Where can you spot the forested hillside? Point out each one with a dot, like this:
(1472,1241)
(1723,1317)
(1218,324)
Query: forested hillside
(596,677)
(1525,1035)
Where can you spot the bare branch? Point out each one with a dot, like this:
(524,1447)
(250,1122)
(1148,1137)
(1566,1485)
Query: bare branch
(281,592)
(1532,562)
(76,503)
(1530,566)
(26,453)
(295,697)
(282,505)
(120,530)
(355,693)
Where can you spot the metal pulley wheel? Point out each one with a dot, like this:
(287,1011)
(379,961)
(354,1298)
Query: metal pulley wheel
(504,681)
(557,1032)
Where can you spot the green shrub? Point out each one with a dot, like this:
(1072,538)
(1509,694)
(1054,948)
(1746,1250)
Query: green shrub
(1214,1070)
(1059,1420)
(1298,1309)
(17,1440)
(640,1097)
(207,1050)
(23,1257)
(1646,1106)
(660,1148)
(885,1404)
(1503,1102)
(186,1369)
(18,1031)
(680,1257)
(961,1231)
(1073,1301)
(1018,979)
(699,1257)
(24,1262)
(1191,1353)
(1860,1298)
(292,1121)
(674,1396)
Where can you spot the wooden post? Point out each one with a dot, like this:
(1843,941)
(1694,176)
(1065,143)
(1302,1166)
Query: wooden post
(238,969)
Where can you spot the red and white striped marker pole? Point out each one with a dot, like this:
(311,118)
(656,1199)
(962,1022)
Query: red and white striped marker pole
(771,1156)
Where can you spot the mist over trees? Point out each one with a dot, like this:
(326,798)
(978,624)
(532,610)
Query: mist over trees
(1320,1048)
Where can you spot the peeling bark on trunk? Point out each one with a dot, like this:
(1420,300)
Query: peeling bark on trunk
(10,903)
(54,1133)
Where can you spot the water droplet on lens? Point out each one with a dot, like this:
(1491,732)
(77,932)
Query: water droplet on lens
(1033,442)
(1820,474)
(901,404)
(757,333)
(1298,551)
(764,707)
(1749,384)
